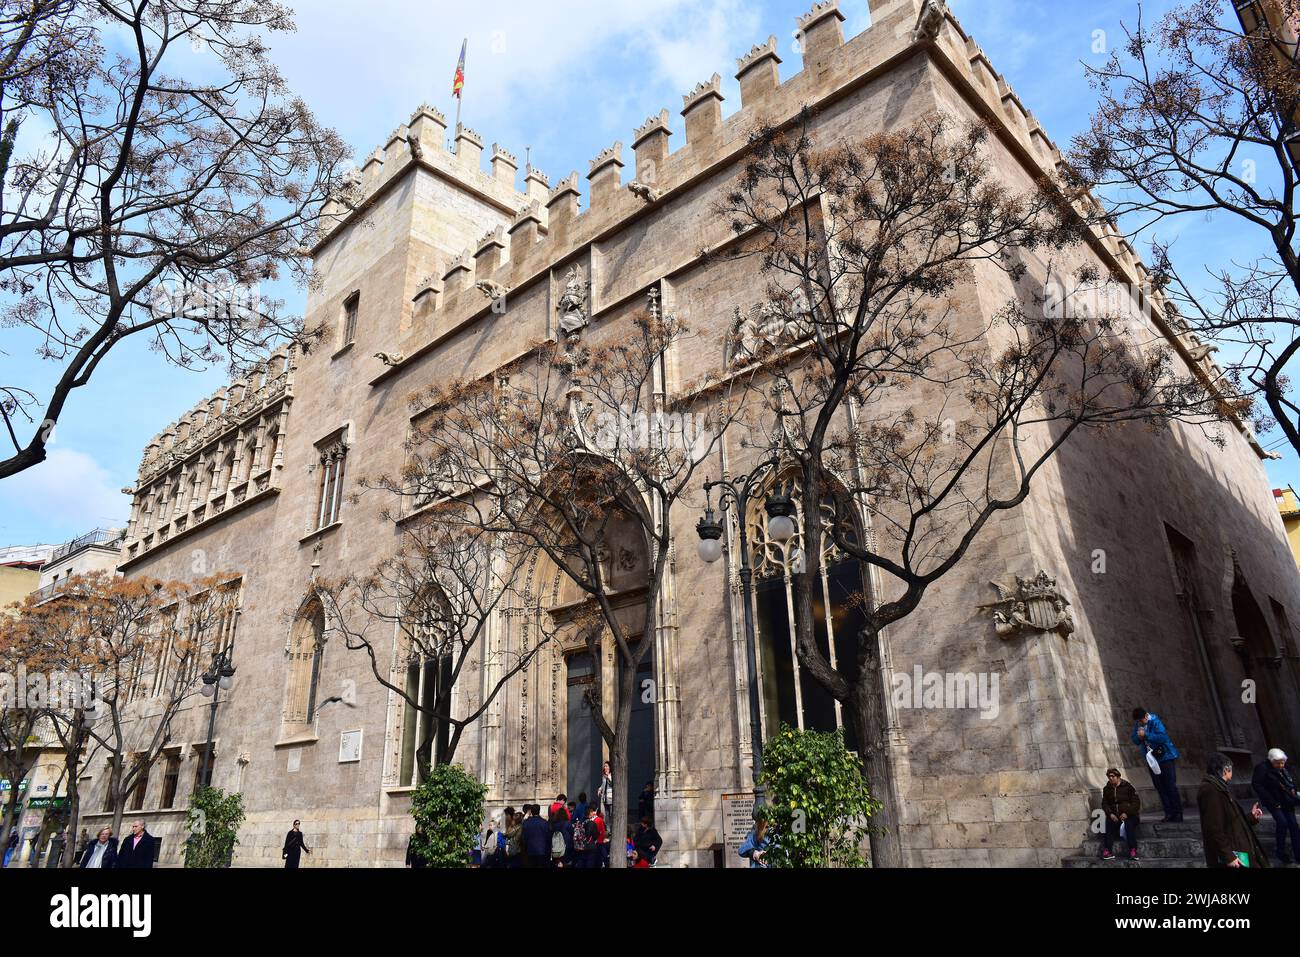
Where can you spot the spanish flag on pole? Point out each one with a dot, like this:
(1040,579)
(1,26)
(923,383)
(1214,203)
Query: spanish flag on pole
(458,84)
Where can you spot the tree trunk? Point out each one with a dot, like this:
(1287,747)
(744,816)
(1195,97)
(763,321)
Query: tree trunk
(119,798)
(866,712)
(74,813)
(618,764)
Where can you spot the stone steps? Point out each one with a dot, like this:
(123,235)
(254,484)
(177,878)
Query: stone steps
(1164,844)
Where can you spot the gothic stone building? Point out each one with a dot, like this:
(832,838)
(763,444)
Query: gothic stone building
(1167,548)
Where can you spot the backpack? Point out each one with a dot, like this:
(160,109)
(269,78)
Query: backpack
(557,845)
(514,844)
(580,837)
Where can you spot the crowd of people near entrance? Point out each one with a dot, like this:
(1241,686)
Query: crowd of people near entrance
(568,833)
(1227,829)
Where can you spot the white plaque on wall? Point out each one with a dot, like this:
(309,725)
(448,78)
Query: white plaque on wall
(737,822)
(294,760)
(349,747)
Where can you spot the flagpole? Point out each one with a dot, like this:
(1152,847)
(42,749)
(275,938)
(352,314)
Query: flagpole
(460,92)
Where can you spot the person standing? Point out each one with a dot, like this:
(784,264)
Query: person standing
(514,838)
(137,851)
(1276,789)
(561,839)
(602,838)
(586,843)
(414,858)
(646,802)
(755,846)
(536,838)
(12,846)
(102,853)
(1227,831)
(647,841)
(294,845)
(1122,807)
(605,793)
(1150,736)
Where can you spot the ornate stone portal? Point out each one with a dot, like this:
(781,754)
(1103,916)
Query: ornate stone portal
(1034,606)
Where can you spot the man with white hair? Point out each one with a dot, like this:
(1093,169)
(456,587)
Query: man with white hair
(1276,790)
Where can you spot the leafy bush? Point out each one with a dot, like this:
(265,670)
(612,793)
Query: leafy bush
(213,820)
(448,810)
(818,804)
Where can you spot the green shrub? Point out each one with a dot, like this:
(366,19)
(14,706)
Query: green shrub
(818,804)
(448,811)
(213,820)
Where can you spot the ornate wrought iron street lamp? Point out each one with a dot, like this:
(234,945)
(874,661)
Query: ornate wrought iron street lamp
(220,677)
(738,493)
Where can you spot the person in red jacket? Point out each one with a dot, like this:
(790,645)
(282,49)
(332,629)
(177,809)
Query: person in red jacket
(602,840)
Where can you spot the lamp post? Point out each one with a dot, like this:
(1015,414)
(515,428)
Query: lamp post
(220,677)
(738,492)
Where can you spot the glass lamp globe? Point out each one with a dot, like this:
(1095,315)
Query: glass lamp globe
(780,528)
(710,531)
(208,689)
(710,549)
(226,682)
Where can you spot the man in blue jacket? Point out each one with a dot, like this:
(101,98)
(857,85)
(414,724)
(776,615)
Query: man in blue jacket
(1149,734)
(536,838)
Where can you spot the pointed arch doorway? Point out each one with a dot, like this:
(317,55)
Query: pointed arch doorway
(625,560)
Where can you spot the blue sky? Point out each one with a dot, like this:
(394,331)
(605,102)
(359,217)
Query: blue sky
(566,79)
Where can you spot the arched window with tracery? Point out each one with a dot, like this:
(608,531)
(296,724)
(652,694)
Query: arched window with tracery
(428,643)
(306,648)
(789,694)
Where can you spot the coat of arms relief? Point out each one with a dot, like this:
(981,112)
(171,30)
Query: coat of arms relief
(1033,606)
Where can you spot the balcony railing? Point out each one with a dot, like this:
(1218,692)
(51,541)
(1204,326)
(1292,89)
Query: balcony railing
(100,536)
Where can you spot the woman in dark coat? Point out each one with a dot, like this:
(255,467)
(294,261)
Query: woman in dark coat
(413,857)
(1121,805)
(293,847)
(1226,829)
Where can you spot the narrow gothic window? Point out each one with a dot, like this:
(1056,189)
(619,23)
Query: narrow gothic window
(171,776)
(333,457)
(141,786)
(350,308)
(306,646)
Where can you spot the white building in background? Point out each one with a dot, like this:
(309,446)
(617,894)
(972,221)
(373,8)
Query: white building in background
(96,551)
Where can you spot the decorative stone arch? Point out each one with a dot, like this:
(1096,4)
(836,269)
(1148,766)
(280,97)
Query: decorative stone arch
(537,707)
(1255,644)
(788,695)
(423,653)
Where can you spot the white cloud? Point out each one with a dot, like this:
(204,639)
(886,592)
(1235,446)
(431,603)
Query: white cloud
(65,495)
(535,75)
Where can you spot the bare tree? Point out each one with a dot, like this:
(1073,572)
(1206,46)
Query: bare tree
(581,452)
(148,204)
(56,639)
(892,404)
(144,642)
(439,594)
(23,715)
(1197,116)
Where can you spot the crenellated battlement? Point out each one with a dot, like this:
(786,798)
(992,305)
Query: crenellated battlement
(831,66)
(225,452)
(226,408)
